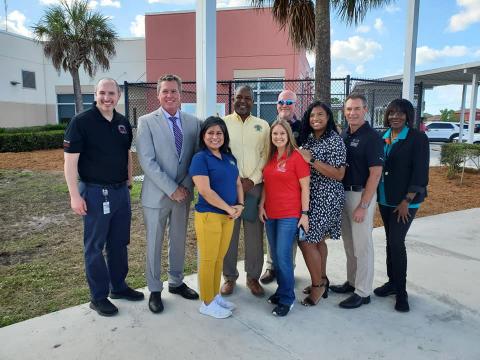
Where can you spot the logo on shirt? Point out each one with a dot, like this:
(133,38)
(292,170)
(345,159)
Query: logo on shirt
(232,163)
(66,144)
(122,129)
(355,142)
(258,127)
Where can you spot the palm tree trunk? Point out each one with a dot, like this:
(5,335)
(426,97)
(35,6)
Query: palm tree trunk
(77,91)
(322,51)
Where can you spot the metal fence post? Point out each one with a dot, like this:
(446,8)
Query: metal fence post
(125,92)
(347,85)
(230,84)
(418,114)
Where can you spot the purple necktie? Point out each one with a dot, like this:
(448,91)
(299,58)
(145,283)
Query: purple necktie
(177,134)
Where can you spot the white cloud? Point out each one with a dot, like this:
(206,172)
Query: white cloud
(177,2)
(232,3)
(91,4)
(379,25)
(340,71)
(111,3)
(311,58)
(137,27)
(477,53)
(355,49)
(363,29)
(469,15)
(16,23)
(426,54)
(360,69)
(392,8)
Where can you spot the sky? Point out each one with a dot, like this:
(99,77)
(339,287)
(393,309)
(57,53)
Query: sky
(448,34)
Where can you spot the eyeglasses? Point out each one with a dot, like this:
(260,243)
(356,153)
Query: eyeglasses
(286,102)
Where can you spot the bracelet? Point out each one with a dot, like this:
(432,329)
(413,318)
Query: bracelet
(305,212)
(241,204)
(407,199)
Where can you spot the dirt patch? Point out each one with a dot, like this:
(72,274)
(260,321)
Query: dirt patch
(35,160)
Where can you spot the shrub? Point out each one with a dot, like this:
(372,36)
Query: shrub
(39,140)
(453,155)
(29,129)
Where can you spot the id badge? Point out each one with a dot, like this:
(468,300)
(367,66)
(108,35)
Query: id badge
(106,207)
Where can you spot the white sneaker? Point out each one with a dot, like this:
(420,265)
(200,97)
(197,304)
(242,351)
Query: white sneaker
(214,310)
(220,300)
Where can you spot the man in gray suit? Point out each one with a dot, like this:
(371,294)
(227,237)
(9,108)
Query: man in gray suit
(166,141)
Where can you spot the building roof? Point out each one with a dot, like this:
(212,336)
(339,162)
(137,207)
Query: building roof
(449,75)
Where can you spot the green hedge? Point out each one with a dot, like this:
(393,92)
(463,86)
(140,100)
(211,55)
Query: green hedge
(40,140)
(29,129)
(454,155)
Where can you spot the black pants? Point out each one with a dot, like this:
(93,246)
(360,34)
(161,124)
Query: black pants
(395,233)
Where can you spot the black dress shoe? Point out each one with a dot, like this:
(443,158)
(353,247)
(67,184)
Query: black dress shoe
(385,290)
(155,302)
(342,289)
(184,291)
(354,301)
(127,294)
(103,307)
(268,276)
(401,304)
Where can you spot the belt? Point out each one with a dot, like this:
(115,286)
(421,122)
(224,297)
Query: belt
(355,188)
(107,186)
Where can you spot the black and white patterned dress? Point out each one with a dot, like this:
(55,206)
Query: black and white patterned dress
(326,194)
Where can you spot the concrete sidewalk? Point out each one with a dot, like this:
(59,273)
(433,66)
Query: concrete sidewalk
(444,321)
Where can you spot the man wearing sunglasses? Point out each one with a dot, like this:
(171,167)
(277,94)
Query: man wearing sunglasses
(287,100)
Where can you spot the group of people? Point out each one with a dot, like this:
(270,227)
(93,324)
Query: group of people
(300,180)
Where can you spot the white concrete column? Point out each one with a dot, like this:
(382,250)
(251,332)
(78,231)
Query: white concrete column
(462,113)
(473,108)
(410,50)
(206,58)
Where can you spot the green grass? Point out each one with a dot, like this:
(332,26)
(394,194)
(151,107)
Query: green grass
(41,251)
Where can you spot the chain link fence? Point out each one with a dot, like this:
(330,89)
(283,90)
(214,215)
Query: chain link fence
(141,98)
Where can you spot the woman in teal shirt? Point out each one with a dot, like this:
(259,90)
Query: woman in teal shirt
(402,188)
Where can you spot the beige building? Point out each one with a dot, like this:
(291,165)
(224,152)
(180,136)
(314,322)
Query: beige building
(32,92)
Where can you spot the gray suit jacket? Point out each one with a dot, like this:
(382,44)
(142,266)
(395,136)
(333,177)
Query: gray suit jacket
(163,169)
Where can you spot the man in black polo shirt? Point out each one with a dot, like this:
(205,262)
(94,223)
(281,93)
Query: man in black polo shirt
(97,150)
(364,168)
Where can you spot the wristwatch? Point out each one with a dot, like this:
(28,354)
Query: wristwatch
(407,199)
(364,205)
(312,161)
(305,212)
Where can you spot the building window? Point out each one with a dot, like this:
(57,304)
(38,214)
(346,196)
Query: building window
(265,96)
(66,106)
(28,79)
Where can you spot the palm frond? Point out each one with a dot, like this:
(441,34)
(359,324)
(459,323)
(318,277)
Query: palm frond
(354,11)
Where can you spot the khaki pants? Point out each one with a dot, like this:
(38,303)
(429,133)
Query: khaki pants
(253,237)
(358,243)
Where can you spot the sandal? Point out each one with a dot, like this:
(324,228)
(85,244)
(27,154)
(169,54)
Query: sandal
(308,289)
(309,301)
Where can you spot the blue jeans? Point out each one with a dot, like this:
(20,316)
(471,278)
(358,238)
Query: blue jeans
(281,235)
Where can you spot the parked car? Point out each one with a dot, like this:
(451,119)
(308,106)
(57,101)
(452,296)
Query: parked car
(441,130)
(476,138)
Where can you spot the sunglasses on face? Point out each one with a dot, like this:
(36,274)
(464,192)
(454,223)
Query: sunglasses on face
(286,102)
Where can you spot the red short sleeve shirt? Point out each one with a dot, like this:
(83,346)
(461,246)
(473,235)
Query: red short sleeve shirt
(282,187)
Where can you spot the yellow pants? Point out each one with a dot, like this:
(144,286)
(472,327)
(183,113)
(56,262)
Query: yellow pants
(214,232)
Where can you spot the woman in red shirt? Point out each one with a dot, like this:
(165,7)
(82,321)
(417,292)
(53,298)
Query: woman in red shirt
(284,208)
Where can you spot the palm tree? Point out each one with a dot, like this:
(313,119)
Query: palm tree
(308,24)
(73,36)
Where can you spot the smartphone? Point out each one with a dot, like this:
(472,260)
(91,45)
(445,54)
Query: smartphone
(301,233)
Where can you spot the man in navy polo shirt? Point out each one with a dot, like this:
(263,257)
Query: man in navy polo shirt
(362,174)
(97,150)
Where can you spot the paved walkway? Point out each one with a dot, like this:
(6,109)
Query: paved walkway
(444,322)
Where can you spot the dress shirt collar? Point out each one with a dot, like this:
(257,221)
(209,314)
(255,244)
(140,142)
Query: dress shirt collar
(167,115)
